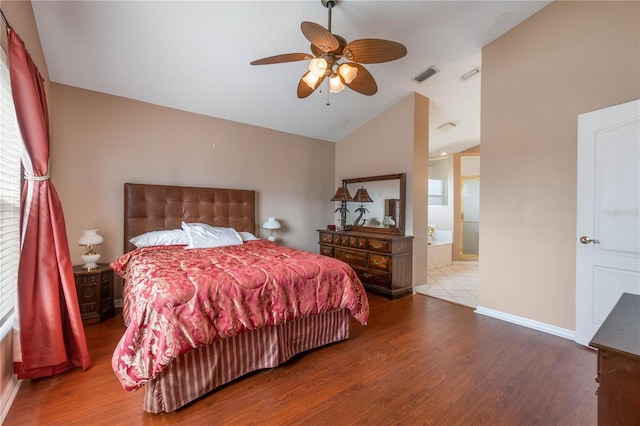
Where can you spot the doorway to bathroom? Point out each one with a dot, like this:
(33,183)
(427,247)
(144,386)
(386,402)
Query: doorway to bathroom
(466,210)
(450,279)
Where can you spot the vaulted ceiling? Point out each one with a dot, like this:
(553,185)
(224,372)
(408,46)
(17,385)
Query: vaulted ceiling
(195,56)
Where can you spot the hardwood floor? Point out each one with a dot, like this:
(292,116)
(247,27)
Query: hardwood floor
(419,361)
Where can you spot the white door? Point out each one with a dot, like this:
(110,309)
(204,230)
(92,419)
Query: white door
(608,230)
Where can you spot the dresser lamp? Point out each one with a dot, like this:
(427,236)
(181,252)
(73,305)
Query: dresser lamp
(362,196)
(90,239)
(271,225)
(342,194)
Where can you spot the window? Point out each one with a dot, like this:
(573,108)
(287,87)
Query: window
(438,181)
(10,169)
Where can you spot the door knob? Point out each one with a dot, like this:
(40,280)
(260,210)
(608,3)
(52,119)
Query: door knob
(586,240)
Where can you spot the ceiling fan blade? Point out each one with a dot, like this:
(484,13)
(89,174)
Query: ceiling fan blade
(286,57)
(319,36)
(364,82)
(303,88)
(373,51)
(337,51)
(316,51)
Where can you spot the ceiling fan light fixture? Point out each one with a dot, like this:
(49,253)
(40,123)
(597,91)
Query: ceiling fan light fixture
(335,84)
(327,49)
(318,67)
(347,72)
(311,79)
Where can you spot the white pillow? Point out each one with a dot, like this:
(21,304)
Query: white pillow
(247,236)
(202,235)
(161,238)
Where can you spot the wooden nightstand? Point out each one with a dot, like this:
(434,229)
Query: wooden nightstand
(95,293)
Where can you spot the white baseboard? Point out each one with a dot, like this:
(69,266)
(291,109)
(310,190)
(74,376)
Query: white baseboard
(12,390)
(117,303)
(536,325)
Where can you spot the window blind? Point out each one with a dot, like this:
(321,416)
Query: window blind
(9,196)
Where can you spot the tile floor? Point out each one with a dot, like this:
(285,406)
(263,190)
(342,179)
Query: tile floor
(456,283)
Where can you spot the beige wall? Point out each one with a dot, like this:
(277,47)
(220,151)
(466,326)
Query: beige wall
(395,141)
(570,58)
(101,141)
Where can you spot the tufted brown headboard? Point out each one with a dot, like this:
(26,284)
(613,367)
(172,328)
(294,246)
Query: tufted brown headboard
(156,207)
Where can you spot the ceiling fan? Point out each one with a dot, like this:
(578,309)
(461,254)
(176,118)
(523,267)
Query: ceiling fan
(328,49)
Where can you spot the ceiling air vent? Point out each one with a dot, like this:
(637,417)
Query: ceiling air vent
(426,74)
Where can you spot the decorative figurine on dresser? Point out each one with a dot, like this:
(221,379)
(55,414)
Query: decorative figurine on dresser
(379,253)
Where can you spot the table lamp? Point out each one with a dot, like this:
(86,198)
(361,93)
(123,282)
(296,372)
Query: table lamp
(90,239)
(271,225)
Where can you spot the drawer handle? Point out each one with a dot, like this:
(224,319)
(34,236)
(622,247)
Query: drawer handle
(377,245)
(367,275)
(377,262)
(348,256)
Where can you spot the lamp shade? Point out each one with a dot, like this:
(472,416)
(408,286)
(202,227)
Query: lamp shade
(271,223)
(318,66)
(347,72)
(90,237)
(335,84)
(362,196)
(342,194)
(311,79)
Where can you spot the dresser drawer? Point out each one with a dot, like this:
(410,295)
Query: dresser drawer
(87,280)
(354,258)
(379,246)
(88,296)
(326,238)
(352,242)
(341,240)
(359,243)
(326,251)
(382,263)
(370,277)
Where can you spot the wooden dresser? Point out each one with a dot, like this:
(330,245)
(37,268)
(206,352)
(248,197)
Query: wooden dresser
(383,262)
(618,344)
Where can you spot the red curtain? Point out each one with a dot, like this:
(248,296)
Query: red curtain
(51,335)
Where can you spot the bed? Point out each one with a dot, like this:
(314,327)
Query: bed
(199,316)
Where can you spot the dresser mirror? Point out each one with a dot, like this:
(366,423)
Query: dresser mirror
(387,194)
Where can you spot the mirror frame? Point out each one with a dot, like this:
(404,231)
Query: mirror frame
(399,229)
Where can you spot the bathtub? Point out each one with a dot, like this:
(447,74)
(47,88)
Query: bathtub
(440,249)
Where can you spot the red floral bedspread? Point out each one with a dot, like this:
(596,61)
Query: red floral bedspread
(180,299)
